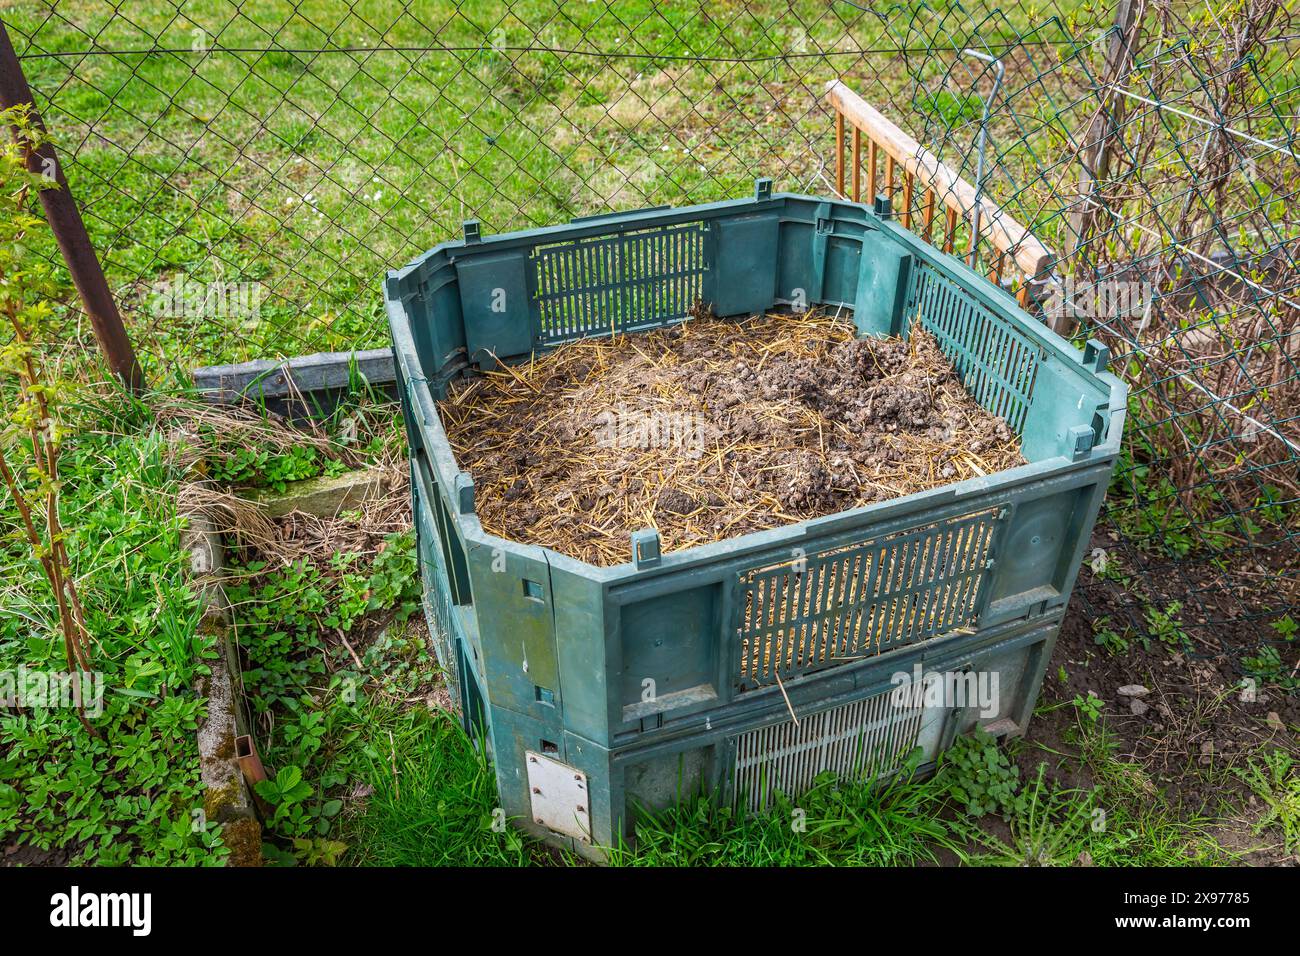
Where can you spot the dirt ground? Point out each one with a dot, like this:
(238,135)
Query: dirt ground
(711,429)
(1196,725)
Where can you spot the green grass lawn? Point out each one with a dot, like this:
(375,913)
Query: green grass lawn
(436,806)
(312,173)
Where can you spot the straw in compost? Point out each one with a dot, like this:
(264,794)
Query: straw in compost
(712,429)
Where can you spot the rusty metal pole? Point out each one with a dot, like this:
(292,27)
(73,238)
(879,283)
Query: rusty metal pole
(69,230)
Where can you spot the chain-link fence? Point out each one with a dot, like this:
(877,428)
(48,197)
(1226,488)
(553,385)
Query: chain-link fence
(248,170)
(1159,164)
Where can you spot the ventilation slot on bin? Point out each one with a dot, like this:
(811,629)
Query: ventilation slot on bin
(859,741)
(617,283)
(437,609)
(814,612)
(995,361)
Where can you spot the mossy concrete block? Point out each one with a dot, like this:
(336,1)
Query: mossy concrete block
(226,798)
(323,497)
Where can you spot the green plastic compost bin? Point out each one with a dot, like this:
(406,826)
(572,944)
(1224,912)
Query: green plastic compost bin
(778,655)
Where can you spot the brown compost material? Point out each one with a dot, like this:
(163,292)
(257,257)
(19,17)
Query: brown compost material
(711,429)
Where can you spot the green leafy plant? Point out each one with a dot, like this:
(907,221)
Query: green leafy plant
(394,580)
(1106,636)
(262,467)
(31,436)
(1275,779)
(285,792)
(1166,626)
(1266,665)
(318,851)
(1089,706)
(324,640)
(980,776)
(1047,829)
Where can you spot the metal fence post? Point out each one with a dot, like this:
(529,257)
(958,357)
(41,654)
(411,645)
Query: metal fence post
(69,230)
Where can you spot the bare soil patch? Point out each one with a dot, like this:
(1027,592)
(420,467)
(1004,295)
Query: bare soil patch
(1197,728)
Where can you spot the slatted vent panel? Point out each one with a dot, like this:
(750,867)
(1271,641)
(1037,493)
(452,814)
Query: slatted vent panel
(822,610)
(437,592)
(997,362)
(859,741)
(621,282)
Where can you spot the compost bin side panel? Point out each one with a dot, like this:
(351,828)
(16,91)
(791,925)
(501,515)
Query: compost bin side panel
(1049,526)
(496,305)
(437,324)
(606,804)
(512,602)
(796,274)
(885,270)
(413,440)
(427,545)
(475,707)
(1018,660)
(449,535)
(1084,520)
(842,263)
(742,275)
(580,643)
(405,353)
(513,736)
(659,781)
(668,647)
(1065,396)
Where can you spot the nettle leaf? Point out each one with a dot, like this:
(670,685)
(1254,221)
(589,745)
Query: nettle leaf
(141,669)
(301,792)
(38,648)
(288,787)
(268,791)
(135,692)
